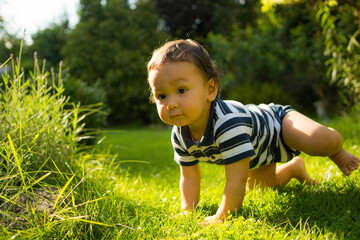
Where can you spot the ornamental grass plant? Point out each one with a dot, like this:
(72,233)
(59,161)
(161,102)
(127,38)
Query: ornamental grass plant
(43,172)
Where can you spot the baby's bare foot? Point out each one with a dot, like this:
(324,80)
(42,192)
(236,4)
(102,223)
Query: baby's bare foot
(346,161)
(301,173)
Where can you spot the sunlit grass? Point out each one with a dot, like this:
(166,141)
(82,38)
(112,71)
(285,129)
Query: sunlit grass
(131,192)
(148,195)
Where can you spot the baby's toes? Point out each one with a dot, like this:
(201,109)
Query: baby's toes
(355,162)
(346,171)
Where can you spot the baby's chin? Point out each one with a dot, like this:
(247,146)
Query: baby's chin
(176,123)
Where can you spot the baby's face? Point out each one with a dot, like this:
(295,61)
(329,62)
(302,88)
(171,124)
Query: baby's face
(181,94)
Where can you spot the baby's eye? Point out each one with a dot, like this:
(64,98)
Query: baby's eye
(182,90)
(161,96)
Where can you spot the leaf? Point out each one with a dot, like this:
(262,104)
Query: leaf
(353,41)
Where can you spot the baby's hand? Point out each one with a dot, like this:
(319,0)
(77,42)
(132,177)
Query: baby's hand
(211,220)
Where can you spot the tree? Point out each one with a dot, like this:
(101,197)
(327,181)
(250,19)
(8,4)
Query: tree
(184,18)
(110,46)
(196,18)
(340,22)
(48,43)
(283,50)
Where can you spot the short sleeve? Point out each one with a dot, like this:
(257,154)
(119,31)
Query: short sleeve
(233,137)
(181,155)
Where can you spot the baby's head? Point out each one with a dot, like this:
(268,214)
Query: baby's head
(185,51)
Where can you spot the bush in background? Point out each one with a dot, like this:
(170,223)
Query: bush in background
(88,95)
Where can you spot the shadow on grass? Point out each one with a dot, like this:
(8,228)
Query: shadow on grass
(327,208)
(332,208)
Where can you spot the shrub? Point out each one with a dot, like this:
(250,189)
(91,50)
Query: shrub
(259,93)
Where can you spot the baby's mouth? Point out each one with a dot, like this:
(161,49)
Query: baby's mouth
(175,115)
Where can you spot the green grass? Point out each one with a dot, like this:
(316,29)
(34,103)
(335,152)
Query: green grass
(128,189)
(143,195)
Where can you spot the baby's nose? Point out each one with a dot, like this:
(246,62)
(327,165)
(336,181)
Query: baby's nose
(172,103)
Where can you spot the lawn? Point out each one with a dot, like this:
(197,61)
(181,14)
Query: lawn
(144,195)
(127,188)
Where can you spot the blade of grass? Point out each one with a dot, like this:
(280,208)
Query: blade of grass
(8,177)
(79,205)
(40,168)
(82,179)
(20,53)
(39,180)
(52,160)
(20,130)
(9,200)
(5,62)
(81,218)
(88,221)
(60,81)
(63,190)
(17,160)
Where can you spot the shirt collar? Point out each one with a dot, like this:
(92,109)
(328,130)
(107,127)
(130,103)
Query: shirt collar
(208,137)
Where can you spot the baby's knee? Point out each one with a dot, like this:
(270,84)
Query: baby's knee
(330,140)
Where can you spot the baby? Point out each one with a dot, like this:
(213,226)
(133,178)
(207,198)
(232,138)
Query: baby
(247,139)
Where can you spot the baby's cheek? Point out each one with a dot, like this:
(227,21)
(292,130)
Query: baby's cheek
(159,109)
(161,112)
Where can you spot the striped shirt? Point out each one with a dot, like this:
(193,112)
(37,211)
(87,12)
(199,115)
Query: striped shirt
(235,132)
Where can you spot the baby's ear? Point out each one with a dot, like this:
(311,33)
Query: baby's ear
(213,87)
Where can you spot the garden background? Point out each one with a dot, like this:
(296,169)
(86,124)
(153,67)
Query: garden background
(76,119)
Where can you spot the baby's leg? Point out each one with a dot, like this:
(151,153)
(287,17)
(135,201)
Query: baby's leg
(303,134)
(272,175)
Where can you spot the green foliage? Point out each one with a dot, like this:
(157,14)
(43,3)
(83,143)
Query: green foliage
(283,51)
(49,42)
(286,47)
(340,26)
(257,93)
(110,46)
(195,19)
(88,95)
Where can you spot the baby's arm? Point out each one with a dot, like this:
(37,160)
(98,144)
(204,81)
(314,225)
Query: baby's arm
(236,178)
(190,186)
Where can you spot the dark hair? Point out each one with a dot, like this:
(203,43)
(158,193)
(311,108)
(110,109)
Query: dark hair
(187,51)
